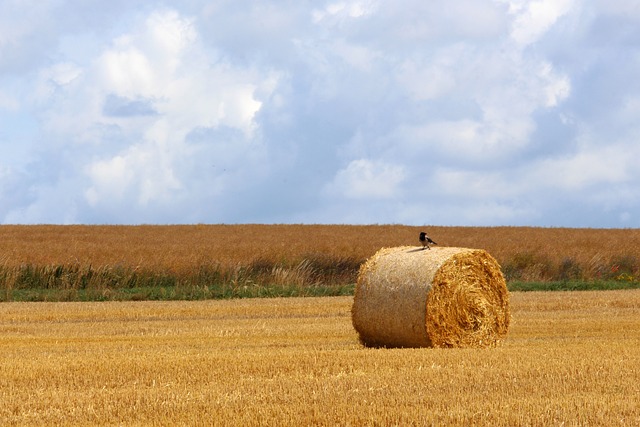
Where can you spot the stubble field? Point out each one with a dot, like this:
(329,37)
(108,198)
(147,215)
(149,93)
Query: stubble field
(570,358)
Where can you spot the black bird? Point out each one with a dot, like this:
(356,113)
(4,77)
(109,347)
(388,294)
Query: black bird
(426,240)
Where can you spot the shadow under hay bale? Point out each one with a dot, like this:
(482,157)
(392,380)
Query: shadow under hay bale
(443,297)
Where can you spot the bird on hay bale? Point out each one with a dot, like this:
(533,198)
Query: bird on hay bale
(426,240)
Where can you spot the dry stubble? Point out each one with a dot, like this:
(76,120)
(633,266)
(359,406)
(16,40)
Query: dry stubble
(569,358)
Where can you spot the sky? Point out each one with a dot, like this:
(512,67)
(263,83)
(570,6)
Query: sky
(464,112)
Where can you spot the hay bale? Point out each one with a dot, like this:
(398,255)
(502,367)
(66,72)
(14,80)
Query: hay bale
(443,297)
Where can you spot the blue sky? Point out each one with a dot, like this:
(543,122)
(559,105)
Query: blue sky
(465,112)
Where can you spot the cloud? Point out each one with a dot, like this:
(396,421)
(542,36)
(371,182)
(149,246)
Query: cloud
(143,170)
(119,106)
(470,112)
(534,18)
(366,179)
(151,87)
(609,165)
(339,11)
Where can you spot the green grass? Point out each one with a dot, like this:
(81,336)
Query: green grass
(573,285)
(175,293)
(229,291)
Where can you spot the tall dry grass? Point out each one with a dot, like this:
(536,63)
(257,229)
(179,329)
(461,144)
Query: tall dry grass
(569,359)
(99,258)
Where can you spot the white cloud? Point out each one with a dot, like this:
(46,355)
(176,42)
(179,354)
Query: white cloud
(622,8)
(534,18)
(366,179)
(110,178)
(146,173)
(8,102)
(489,141)
(466,112)
(147,91)
(557,87)
(126,70)
(502,90)
(163,67)
(473,185)
(430,78)
(596,166)
(53,79)
(343,10)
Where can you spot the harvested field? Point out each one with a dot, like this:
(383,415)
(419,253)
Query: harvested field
(570,358)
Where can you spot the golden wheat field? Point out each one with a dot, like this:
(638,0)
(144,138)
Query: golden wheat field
(570,358)
(181,247)
(91,262)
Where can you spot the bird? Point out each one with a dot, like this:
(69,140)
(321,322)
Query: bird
(426,240)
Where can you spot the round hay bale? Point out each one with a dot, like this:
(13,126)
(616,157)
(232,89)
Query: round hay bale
(443,297)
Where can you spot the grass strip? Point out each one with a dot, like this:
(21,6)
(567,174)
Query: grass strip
(174,293)
(573,285)
(229,291)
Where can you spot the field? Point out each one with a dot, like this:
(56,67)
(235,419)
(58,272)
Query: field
(570,358)
(220,261)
